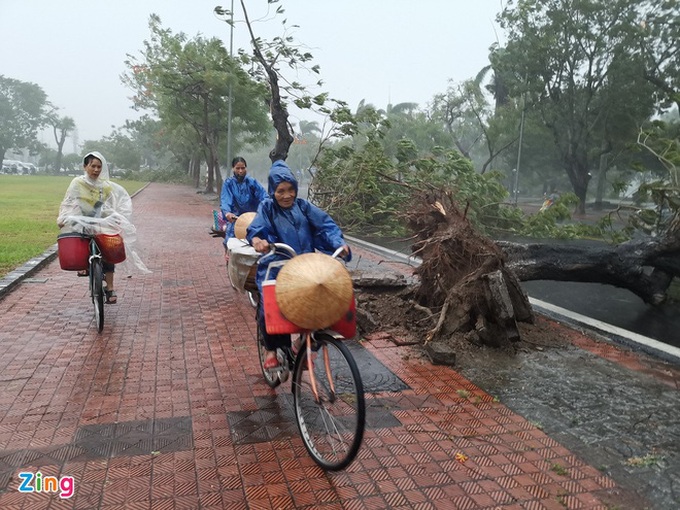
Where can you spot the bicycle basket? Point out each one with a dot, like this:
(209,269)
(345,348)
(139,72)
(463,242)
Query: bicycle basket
(275,322)
(242,265)
(112,247)
(314,290)
(74,251)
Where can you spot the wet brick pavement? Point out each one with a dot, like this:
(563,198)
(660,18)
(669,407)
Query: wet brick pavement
(166,408)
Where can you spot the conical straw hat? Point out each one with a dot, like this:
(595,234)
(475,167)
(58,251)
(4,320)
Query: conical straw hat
(241,224)
(313,290)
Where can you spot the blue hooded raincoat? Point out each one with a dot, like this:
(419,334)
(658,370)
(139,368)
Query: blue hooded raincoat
(303,226)
(240,197)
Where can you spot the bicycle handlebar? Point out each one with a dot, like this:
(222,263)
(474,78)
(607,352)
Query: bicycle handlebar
(336,253)
(288,250)
(281,248)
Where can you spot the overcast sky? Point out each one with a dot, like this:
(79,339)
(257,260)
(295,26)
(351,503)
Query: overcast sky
(381,51)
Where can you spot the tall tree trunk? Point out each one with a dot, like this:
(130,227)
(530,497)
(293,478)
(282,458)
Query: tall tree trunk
(284,136)
(601,180)
(195,170)
(210,180)
(59,139)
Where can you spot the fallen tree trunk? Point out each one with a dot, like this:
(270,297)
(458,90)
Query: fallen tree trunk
(646,267)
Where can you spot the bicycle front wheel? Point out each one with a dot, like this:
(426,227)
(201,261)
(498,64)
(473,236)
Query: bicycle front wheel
(97,291)
(329,403)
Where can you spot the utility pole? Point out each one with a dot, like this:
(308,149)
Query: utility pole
(519,148)
(231,60)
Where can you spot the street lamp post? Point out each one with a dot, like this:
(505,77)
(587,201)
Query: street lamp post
(519,153)
(231,58)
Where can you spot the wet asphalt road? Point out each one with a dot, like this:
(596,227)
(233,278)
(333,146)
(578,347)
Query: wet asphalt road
(618,307)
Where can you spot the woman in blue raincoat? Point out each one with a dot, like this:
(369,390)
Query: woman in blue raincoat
(287,219)
(240,194)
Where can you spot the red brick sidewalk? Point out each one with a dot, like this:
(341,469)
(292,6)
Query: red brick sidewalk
(142,416)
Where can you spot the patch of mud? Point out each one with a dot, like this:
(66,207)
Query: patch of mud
(395,312)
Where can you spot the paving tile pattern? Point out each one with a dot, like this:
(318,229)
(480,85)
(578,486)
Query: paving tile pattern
(179,345)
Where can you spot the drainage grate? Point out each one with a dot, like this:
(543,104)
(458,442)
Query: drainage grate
(274,417)
(135,437)
(376,377)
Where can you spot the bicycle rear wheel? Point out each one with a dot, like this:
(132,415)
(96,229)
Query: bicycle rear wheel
(332,426)
(97,291)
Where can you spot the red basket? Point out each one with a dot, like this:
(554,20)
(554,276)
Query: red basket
(112,247)
(347,325)
(274,320)
(277,324)
(73,250)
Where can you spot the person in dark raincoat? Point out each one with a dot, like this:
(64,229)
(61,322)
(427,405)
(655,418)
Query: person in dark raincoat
(240,194)
(284,218)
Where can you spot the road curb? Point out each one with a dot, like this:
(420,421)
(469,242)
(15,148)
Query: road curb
(617,335)
(14,278)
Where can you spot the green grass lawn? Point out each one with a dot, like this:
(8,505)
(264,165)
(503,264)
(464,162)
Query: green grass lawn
(29,206)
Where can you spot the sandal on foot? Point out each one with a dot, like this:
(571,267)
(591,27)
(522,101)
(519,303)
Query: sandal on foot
(84,272)
(271,363)
(111,297)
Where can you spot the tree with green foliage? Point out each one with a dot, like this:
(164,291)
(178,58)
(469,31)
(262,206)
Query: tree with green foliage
(657,35)
(61,127)
(120,150)
(566,58)
(267,61)
(464,112)
(189,82)
(23,107)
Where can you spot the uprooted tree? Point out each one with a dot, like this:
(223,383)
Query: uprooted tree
(468,289)
(469,284)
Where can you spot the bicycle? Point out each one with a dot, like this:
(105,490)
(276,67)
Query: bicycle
(86,253)
(328,394)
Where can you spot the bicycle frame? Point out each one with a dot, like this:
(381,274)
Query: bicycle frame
(95,280)
(95,253)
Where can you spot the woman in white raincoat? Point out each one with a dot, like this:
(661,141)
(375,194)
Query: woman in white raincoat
(95,205)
